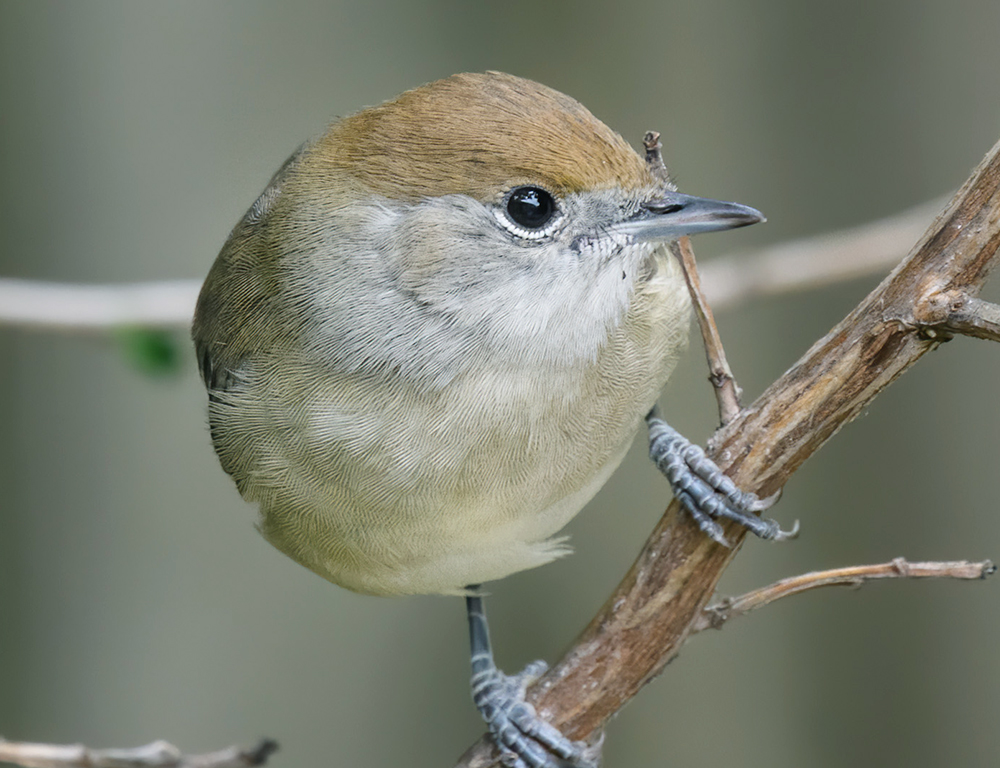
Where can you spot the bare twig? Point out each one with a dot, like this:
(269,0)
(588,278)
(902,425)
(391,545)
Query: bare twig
(97,308)
(654,159)
(728,280)
(649,616)
(714,616)
(158,754)
(727,392)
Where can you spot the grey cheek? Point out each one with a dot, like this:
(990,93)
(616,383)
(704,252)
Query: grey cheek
(598,250)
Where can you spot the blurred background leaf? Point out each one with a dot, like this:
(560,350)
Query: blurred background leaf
(151,351)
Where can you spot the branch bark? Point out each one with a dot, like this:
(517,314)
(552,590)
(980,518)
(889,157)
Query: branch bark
(727,391)
(651,613)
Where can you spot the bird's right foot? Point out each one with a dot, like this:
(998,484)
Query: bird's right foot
(702,488)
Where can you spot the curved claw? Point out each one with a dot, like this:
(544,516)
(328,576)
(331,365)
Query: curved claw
(785,535)
(531,673)
(767,502)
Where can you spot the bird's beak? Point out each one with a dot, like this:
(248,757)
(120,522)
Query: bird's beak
(673,215)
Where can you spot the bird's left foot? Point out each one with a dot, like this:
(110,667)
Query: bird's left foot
(702,488)
(525,740)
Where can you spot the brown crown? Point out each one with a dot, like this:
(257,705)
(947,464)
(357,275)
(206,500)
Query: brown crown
(480,135)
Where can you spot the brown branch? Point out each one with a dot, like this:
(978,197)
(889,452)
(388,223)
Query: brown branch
(648,617)
(714,616)
(158,754)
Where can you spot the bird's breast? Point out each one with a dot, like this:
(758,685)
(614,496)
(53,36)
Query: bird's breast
(386,487)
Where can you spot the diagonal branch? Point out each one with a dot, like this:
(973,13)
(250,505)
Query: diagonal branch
(649,616)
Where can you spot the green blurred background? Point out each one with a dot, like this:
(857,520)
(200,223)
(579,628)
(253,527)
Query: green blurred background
(136,600)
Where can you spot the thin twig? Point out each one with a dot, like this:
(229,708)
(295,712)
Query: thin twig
(97,308)
(714,616)
(648,617)
(158,754)
(727,392)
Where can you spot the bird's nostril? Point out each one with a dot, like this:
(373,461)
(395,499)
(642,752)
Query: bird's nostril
(662,206)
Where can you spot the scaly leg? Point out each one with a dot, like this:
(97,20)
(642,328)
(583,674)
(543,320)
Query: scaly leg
(524,739)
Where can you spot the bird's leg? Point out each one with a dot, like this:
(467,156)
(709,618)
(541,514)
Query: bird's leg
(704,491)
(524,739)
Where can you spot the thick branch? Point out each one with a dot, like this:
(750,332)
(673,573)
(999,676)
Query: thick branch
(650,614)
(714,616)
(158,754)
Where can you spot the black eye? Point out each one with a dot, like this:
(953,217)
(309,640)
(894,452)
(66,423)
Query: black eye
(531,207)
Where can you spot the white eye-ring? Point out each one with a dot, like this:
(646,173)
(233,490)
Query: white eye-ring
(530,213)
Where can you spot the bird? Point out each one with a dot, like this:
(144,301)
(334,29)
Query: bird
(434,336)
